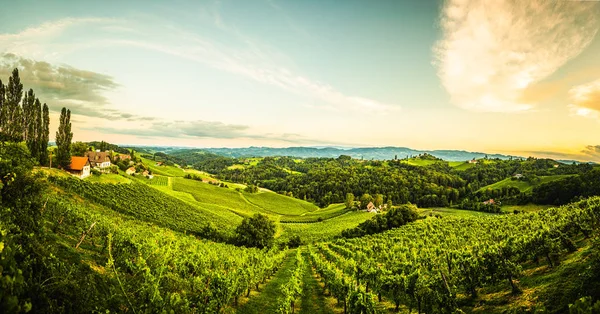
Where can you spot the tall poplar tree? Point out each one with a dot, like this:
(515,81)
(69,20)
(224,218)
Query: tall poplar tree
(44,135)
(13,120)
(29,122)
(63,139)
(2,110)
(35,129)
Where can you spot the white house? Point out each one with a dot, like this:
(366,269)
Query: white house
(79,167)
(99,159)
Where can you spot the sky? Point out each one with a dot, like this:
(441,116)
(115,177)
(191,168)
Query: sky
(512,77)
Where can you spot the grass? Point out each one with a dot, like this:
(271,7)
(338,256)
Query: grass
(324,230)
(312,301)
(522,185)
(524,208)
(460,165)
(329,212)
(280,204)
(210,194)
(551,288)
(419,162)
(445,211)
(170,171)
(266,300)
(108,178)
(156,180)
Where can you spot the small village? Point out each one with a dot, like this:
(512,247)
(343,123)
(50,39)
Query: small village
(98,162)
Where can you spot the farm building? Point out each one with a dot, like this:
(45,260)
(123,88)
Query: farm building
(123,157)
(473,161)
(489,202)
(79,167)
(130,170)
(371,208)
(518,176)
(98,159)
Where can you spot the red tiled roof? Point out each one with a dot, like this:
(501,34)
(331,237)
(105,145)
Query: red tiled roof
(77,163)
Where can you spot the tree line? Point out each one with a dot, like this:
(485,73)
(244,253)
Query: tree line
(23,118)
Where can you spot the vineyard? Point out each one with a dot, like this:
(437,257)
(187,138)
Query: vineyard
(153,269)
(431,265)
(148,204)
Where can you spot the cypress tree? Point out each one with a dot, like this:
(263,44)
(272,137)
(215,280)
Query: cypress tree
(44,135)
(2,110)
(29,122)
(35,129)
(13,120)
(63,139)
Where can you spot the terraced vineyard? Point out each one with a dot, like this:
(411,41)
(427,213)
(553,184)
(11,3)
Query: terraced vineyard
(145,203)
(430,265)
(159,262)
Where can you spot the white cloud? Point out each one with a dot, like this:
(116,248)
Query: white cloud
(492,50)
(242,55)
(585,100)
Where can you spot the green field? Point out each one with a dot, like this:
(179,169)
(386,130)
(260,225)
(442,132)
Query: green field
(419,162)
(329,212)
(326,229)
(108,178)
(522,185)
(445,211)
(523,208)
(170,171)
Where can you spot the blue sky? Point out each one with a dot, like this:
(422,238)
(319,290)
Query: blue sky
(519,78)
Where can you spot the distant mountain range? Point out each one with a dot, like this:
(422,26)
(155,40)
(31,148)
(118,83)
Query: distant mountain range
(378,153)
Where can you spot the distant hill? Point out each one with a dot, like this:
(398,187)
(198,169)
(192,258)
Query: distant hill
(378,153)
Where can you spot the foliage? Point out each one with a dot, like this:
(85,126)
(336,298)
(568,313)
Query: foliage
(256,231)
(349,202)
(143,202)
(63,139)
(394,218)
(427,264)
(251,188)
(78,148)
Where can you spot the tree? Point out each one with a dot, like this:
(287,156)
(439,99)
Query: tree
(12,114)
(349,200)
(37,130)
(365,199)
(2,109)
(257,231)
(44,135)
(378,200)
(78,149)
(63,139)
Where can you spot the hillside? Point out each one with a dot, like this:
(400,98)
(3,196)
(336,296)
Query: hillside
(367,153)
(522,185)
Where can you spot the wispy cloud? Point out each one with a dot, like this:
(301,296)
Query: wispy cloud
(200,129)
(491,51)
(242,55)
(585,100)
(588,153)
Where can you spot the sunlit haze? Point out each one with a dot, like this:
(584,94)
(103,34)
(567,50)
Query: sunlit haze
(522,79)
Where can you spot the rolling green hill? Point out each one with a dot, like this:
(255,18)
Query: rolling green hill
(522,185)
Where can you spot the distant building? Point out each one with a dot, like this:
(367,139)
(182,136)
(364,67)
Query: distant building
(518,176)
(79,167)
(555,166)
(489,202)
(473,161)
(145,173)
(371,208)
(99,159)
(122,157)
(130,170)
(160,163)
